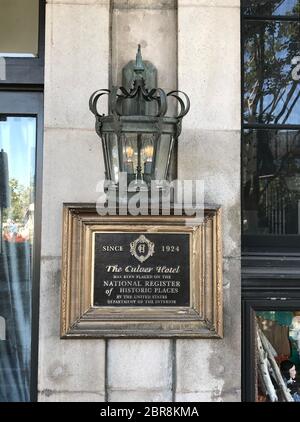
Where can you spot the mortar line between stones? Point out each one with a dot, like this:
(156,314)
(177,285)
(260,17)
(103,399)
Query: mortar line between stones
(174,369)
(110,46)
(106,393)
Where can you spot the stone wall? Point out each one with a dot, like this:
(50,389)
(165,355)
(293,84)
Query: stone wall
(206,46)
(153,24)
(76,64)
(209,149)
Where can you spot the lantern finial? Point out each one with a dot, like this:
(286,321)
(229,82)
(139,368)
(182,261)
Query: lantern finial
(139,65)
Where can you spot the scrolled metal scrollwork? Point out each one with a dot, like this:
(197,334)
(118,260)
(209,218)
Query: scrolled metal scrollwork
(158,95)
(139,93)
(94,98)
(184,107)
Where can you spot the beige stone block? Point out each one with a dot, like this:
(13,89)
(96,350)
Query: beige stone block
(76,62)
(201,396)
(50,282)
(210,396)
(232,311)
(214,158)
(144,4)
(73,167)
(139,365)
(156,31)
(209,3)
(209,66)
(140,396)
(70,396)
(194,373)
(80,2)
(75,365)
(211,371)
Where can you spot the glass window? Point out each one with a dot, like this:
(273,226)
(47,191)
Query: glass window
(271,182)
(278,356)
(271,7)
(19,22)
(271,123)
(271,72)
(17,199)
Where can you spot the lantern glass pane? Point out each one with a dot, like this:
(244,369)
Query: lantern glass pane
(143,156)
(164,149)
(110,144)
(137,154)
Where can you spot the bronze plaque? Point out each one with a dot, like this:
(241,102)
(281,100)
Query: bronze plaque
(141,276)
(141,269)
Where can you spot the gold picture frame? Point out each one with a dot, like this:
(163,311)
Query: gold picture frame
(80,318)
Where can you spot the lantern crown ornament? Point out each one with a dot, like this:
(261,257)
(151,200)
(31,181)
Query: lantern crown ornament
(137,135)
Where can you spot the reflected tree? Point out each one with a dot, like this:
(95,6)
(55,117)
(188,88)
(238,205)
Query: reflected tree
(271,93)
(21,197)
(271,96)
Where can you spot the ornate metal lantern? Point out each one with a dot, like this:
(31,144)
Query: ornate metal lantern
(137,136)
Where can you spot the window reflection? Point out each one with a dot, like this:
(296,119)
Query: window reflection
(278,356)
(17,181)
(271,182)
(271,7)
(272,72)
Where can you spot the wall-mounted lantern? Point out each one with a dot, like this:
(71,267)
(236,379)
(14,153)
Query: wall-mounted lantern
(137,136)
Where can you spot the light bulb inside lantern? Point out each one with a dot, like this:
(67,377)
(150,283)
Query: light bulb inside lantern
(148,151)
(129,153)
